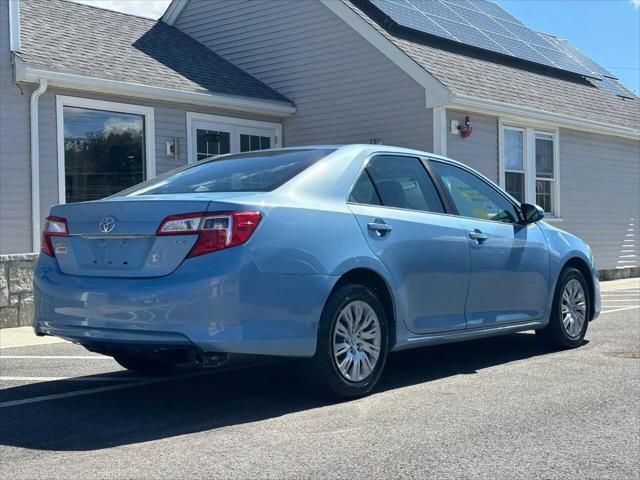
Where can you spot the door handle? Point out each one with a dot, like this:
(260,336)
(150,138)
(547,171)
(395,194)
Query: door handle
(478,236)
(379,227)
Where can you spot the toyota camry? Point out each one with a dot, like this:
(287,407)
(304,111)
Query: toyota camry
(337,255)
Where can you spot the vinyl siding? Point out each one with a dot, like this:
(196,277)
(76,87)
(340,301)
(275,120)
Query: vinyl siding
(480,149)
(345,90)
(15,168)
(600,194)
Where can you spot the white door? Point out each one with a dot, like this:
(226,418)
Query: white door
(210,137)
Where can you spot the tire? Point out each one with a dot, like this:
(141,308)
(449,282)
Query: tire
(557,334)
(324,368)
(145,365)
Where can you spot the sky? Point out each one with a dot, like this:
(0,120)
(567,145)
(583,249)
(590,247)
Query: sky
(608,31)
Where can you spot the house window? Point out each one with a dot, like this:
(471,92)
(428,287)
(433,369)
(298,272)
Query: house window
(103,148)
(544,152)
(250,143)
(514,174)
(103,152)
(211,135)
(212,142)
(529,166)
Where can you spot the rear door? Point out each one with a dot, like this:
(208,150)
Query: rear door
(509,261)
(402,217)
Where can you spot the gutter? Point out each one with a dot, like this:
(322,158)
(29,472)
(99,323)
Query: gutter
(35,164)
(506,110)
(29,74)
(14,26)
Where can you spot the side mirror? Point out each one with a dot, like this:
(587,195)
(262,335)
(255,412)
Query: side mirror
(531,213)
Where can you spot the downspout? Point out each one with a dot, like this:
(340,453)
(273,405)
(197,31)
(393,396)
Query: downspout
(35,165)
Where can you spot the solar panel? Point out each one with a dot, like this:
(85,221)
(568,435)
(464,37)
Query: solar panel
(482,24)
(566,47)
(614,87)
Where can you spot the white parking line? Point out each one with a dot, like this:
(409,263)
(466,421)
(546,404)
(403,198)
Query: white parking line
(619,306)
(612,294)
(75,379)
(619,309)
(60,357)
(111,388)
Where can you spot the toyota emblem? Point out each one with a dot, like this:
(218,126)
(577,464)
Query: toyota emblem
(107,224)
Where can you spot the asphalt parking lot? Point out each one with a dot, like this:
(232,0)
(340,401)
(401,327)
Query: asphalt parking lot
(497,408)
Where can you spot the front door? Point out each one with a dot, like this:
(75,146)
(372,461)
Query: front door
(218,137)
(401,215)
(509,261)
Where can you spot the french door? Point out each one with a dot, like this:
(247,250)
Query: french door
(211,136)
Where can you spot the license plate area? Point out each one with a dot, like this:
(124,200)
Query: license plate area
(120,253)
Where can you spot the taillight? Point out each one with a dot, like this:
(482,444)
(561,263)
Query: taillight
(215,231)
(53,226)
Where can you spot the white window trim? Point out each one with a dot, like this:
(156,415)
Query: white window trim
(149,132)
(440,131)
(529,130)
(232,122)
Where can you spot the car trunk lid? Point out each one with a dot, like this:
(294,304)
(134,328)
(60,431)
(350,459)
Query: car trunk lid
(117,237)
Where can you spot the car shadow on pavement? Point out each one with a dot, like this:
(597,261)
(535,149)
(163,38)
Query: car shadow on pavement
(221,398)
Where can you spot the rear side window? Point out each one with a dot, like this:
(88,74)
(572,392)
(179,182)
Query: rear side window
(399,182)
(364,191)
(246,172)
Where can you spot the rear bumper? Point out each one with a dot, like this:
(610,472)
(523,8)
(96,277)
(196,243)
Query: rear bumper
(219,302)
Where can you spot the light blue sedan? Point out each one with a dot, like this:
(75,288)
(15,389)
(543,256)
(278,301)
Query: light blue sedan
(339,255)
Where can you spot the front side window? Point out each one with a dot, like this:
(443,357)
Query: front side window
(530,173)
(104,152)
(398,182)
(244,172)
(473,197)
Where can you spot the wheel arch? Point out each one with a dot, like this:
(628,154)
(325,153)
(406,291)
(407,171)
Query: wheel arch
(376,282)
(583,267)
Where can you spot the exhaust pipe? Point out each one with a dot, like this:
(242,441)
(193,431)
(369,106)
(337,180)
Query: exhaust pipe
(209,359)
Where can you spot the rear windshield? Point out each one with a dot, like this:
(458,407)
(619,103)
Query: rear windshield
(244,172)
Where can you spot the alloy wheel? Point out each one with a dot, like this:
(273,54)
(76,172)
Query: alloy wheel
(574,308)
(356,341)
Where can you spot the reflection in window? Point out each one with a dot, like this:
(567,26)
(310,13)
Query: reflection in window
(241,172)
(473,197)
(104,152)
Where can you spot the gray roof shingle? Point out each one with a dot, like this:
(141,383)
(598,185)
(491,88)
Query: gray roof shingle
(64,36)
(464,72)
